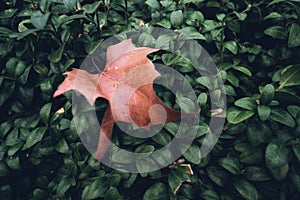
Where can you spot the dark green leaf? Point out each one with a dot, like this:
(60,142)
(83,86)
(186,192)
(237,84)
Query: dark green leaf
(277,32)
(158,191)
(246,189)
(62,146)
(231,164)
(45,112)
(35,136)
(253,173)
(39,20)
(294,37)
(281,116)
(112,194)
(91,8)
(217,175)
(177,177)
(263,112)
(267,94)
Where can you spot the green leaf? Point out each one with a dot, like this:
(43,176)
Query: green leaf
(35,136)
(273,15)
(244,70)
(176,18)
(230,164)
(162,138)
(276,155)
(70,4)
(62,146)
(294,37)
(290,76)
(267,94)
(193,154)
(246,189)
(217,175)
(55,56)
(241,16)
(39,20)
(13,162)
(153,4)
(246,103)
(91,8)
(235,115)
(257,133)
(252,156)
(40,194)
(276,32)
(231,46)
(177,177)
(45,112)
(112,194)
(263,112)
(210,195)
(64,185)
(281,116)
(95,189)
(158,191)
(253,173)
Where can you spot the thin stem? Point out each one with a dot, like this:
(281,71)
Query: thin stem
(126,12)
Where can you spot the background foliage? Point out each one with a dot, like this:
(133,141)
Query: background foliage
(256,46)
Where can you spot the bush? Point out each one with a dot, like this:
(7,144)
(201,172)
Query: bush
(256,47)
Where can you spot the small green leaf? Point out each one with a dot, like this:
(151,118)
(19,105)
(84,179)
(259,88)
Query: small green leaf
(246,103)
(91,8)
(40,194)
(177,177)
(39,20)
(158,191)
(64,185)
(244,70)
(112,194)
(281,116)
(35,136)
(13,162)
(294,37)
(62,146)
(290,76)
(276,32)
(95,189)
(193,154)
(153,4)
(267,94)
(176,18)
(253,173)
(217,175)
(230,164)
(45,112)
(55,56)
(252,156)
(231,46)
(276,155)
(235,115)
(210,195)
(246,189)
(263,112)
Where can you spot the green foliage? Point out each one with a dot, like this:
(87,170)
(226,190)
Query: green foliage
(256,47)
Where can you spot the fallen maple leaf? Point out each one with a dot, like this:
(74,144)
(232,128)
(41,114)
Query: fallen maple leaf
(127,83)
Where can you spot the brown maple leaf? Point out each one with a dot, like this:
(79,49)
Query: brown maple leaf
(127,83)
